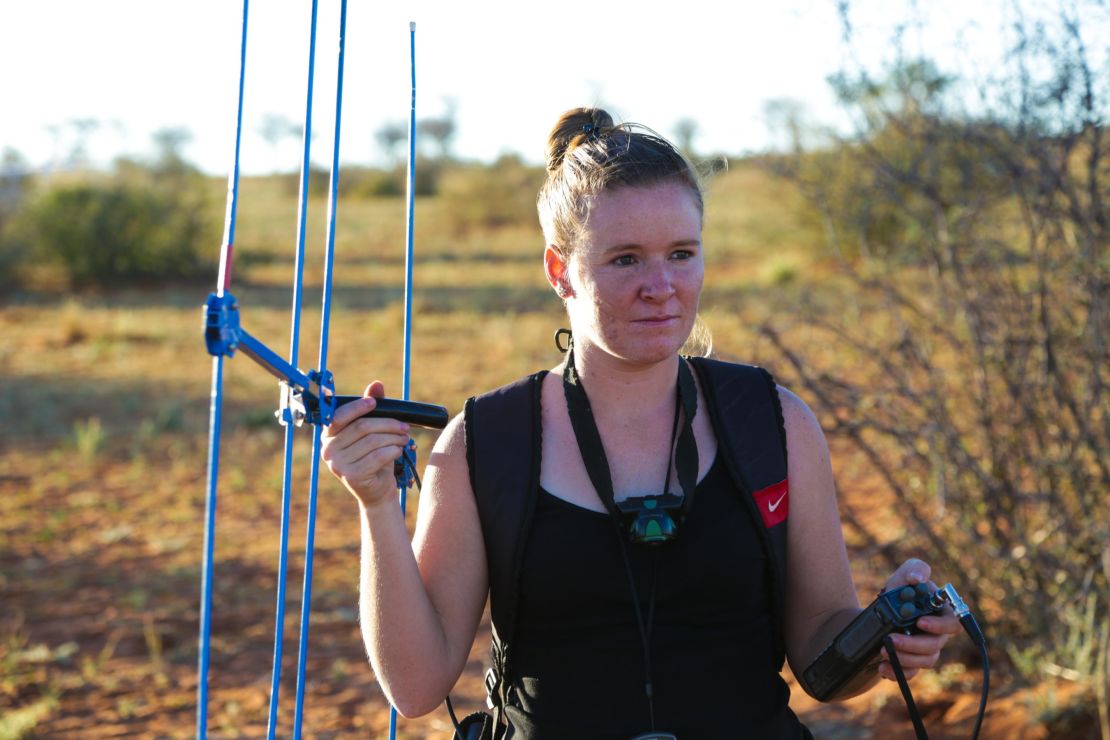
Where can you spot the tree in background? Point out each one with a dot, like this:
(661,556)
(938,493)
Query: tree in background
(169,154)
(441,130)
(685,131)
(787,125)
(390,136)
(972,371)
(71,140)
(275,129)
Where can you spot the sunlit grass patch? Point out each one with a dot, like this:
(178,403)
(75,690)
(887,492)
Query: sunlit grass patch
(89,437)
(19,722)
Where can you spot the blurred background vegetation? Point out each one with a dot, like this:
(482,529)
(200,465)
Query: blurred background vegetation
(934,282)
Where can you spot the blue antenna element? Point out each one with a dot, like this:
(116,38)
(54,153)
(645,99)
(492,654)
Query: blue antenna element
(306,396)
(209,537)
(227,248)
(327,400)
(223,282)
(409,221)
(402,488)
(286,417)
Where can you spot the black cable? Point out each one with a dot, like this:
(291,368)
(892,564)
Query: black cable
(972,628)
(454,719)
(411,466)
(967,620)
(644,630)
(915,717)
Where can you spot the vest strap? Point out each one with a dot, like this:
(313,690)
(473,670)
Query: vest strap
(504,440)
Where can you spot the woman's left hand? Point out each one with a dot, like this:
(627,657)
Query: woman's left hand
(921,650)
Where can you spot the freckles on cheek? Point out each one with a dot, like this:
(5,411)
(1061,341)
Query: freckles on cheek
(602,323)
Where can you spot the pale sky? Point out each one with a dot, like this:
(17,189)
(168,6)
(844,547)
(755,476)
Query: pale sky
(509,67)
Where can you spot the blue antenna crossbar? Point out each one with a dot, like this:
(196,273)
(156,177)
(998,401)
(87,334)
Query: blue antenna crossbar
(287,418)
(302,392)
(223,282)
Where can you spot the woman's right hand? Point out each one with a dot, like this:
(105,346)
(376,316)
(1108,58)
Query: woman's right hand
(361,452)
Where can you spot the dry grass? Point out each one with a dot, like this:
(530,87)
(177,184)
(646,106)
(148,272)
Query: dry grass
(103,448)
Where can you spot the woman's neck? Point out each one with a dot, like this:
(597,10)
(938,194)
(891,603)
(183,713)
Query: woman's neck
(613,383)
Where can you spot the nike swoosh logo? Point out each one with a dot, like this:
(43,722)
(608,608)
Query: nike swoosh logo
(771,507)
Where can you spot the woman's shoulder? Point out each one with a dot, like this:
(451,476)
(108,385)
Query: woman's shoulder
(506,415)
(718,364)
(512,389)
(803,430)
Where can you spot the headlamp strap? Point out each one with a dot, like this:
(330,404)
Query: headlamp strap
(685,452)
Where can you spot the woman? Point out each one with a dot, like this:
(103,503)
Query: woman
(612,637)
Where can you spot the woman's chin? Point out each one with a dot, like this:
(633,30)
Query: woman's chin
(649,353)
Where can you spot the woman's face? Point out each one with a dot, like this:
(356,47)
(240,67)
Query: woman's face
(635,280)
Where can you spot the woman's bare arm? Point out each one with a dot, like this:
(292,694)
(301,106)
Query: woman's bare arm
(419,603)
(820,595)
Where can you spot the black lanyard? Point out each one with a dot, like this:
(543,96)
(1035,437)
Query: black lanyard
(593,452)
(597,467)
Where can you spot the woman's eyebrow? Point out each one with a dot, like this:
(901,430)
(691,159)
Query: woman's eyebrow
(637,245)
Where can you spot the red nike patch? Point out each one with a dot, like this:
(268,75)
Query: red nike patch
(774,503)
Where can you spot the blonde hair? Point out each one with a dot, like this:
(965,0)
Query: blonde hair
(700,341)
(586,155)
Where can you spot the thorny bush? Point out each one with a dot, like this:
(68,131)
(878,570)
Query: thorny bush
(972,373)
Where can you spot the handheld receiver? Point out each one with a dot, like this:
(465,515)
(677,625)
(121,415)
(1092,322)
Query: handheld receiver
(856,648)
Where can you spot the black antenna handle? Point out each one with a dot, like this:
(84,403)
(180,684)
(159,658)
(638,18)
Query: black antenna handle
(411,412)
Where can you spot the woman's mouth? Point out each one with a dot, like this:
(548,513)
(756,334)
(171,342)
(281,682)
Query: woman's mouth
(656,320)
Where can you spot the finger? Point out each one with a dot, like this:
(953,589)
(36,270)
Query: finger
(347,413)
(886,670)
(364,425)
(366,435)
(920,644)
(375,389)
(913,660)
(942,624)
(370,465)
(334,447)
(366,466)
(911,572)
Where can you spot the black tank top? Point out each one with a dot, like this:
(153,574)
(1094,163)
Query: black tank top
(578,661)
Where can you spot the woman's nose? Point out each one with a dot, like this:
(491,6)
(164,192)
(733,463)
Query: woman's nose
(657,284)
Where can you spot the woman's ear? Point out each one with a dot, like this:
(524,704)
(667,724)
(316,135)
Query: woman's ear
(555,267)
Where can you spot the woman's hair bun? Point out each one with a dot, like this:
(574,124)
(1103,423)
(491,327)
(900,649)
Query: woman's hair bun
(572,128)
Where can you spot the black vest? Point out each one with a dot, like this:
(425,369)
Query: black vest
(503,443)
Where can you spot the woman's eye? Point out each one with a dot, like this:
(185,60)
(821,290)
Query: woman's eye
(624,260)
(682,254)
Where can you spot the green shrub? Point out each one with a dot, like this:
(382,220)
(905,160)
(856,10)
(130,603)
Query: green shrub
(14,183)
(122,229)
(11,258)
(364,182)
(368,182)
(319,179)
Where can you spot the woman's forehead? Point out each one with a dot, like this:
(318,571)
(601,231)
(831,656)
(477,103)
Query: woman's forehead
(658,213)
